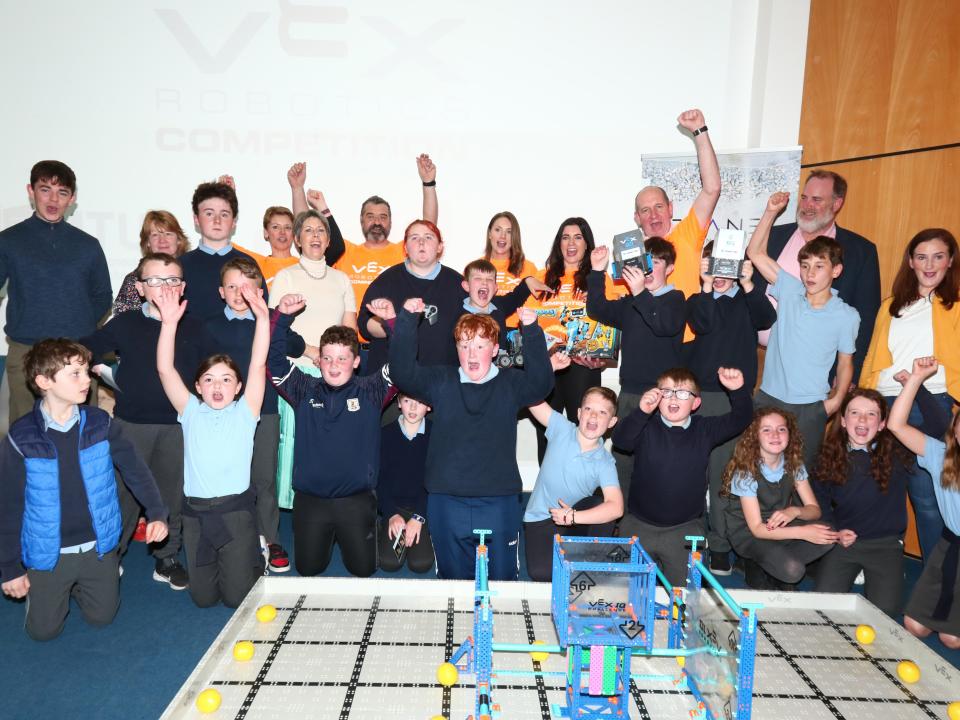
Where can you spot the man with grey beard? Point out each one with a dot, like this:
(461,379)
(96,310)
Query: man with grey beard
(819,204)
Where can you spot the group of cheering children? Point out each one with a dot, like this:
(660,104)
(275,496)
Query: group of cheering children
(413,490)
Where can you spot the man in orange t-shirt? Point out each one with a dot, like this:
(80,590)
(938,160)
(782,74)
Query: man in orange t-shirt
(653,211)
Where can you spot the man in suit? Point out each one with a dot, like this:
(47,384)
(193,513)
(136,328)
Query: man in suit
(820,202)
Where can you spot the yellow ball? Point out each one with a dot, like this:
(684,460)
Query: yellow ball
(953,710)
(438,717)
(208,701)
(266,613)
(243,650)
(681,660)
(866,634)
(447,674)
(908,671)
(539,656)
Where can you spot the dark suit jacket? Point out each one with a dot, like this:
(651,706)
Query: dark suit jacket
(858,284)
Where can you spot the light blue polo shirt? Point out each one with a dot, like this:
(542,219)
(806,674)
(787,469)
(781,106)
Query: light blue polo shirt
(567,473)
(804,342)
(217,448)
(745,485)
(948,501)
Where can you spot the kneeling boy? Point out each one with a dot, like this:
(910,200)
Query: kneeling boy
(672,453)
(59,512)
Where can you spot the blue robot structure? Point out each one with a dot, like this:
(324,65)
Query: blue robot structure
(604,609)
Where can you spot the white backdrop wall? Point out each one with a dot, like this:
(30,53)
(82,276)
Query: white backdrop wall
(542,108)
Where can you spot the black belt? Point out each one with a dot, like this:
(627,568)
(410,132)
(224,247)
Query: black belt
(950,564)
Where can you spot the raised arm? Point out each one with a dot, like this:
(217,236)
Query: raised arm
(405,372)
(757,249)
(171,310)
(914,440)
(706,201)
(627,432)
(297,177)
(537,372)
(428,176)
(335,247)
(609,312)
(761,311)
(257,374)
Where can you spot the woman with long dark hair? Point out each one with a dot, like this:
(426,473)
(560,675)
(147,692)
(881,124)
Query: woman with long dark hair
(921,318)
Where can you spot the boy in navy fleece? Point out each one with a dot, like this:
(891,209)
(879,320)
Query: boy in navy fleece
(337,446)
(59,513)
(469,485)
(726,317)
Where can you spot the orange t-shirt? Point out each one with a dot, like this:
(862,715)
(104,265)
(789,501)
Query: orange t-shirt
(507,283)
(363,265)
(552,311)
(687,238)
(269,265)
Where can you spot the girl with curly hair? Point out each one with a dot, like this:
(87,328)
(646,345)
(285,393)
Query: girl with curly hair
(768,528)
(861,483)
(933,606)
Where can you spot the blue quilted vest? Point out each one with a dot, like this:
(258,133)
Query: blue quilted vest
(40,535)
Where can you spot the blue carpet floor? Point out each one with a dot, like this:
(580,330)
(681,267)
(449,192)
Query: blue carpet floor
(134,667)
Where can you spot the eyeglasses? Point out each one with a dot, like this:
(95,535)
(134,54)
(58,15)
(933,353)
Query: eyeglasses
(156,281)
(679,393)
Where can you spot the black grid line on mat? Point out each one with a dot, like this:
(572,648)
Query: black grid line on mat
(358,665)
(541,687)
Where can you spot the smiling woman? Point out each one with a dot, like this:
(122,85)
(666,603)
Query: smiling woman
(160,233)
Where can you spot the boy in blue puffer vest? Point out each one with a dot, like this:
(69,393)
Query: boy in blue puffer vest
(59,512)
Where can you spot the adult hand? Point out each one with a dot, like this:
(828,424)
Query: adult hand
(559,361)
(316,200)
(297,175)
(527,316)
(426,168)
(536,286)
(228,180)
(924,367)
(777,202)
(691,119)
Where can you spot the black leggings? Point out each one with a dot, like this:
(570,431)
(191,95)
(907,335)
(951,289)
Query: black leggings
(569,387)
(538,538)
(349,521)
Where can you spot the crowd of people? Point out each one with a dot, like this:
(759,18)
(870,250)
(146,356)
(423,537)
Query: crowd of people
(361,385)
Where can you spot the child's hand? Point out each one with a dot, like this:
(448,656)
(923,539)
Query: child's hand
(846,538)
(426,168)
(228,180)
(395,526)
(18,587)
(599,258)
(777,202)
(779,518)
(730,378)
(382,308)
(924,367)
(650,400)
(705,277)
(746,276)
(254,298)
(156,531)
(312,352)
(98,369)
(562,515)
(297,175)
(527,316)
(819,534)
(559,361)
(414,305)
(291,303)
(169,305)
(902,377)
(691,119)
(536,286)
(634,279)
(316,200)
(413,532)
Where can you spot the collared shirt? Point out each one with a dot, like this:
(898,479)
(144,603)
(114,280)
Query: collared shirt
(49,423)
(432,275)
(745,485)
(420,430)
(491,374)
(145,309)
(934,452)
(474,310)
(685,424)
(730,292)
(662,290)
(234,315)
(203,247)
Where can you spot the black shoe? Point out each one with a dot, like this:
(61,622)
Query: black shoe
(720,563)
(170,571)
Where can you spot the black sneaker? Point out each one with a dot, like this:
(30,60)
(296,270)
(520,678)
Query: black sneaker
(720,563)
(170,571)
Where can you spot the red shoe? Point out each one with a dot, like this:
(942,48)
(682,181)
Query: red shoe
(140,534)
(279,562)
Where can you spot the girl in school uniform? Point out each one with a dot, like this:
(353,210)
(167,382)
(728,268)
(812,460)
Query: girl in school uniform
(768,527)
(219,527)
(934,605)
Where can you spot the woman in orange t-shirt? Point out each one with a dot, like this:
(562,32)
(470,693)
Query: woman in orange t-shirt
(505,251)
(566,272)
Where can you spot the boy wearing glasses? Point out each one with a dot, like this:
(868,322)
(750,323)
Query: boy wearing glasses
(142,411)
(671,454)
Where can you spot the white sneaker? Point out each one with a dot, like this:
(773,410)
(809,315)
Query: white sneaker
(860,579)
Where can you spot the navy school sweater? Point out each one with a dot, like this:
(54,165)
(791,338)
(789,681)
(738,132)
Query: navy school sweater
(670,463)
(472,450)
(133,337)
(651,331)
(336,451)
(435,344)
(402,466)
(726,334)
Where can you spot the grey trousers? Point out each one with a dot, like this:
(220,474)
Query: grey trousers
(665,545)
(263,476)
(711,405)
(881,560)
(626,404)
